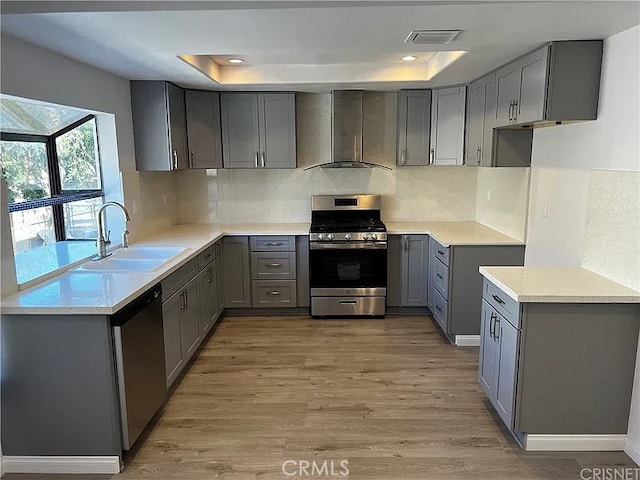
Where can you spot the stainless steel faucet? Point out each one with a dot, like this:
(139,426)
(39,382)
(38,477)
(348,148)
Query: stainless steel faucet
(104,241)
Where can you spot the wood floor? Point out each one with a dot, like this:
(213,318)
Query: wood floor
(390,396)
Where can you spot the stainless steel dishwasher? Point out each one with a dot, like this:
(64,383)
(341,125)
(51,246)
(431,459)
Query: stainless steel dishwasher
(139,348)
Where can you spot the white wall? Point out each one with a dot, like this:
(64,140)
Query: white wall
(32,72)
(587,173)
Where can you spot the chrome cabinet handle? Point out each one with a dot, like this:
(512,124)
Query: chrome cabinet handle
(515,111)
(273,244)
(439,276)
(209,274)
(432,155)
(192,161)
(440,252)
(348,302)
(510,111)
(403,158)
(181,301)
(186,300)
(496,328)
(175,160)
(257,159)
(405,242)
(274,265)
(492,324)
(479,156)
(274,293)
(498,299)
(262,159)
(439,309)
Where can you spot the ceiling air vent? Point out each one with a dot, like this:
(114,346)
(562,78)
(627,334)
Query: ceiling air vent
(431,37)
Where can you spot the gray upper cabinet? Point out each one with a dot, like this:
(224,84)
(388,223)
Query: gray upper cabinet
(159,125)
(415,268)
(414,120)
(558,82)
(447,126)
(480,121)
(203,129)
(277,125)
(258,130)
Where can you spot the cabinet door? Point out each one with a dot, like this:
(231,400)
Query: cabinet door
(177,126)
(240,130)
(447,126)
(189,320)
(237,280)
(204,133)
(394,270)
(219,278)
(414,122)
(475,122)
(277,126)
(486,154)
(507,91)
(207,296)
(507,343)
(533,86)
(415,265)
(172,344)
(487,363)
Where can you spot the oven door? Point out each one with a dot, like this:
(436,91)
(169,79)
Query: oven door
(354,269)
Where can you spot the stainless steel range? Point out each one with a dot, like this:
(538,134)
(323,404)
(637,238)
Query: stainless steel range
(347,256)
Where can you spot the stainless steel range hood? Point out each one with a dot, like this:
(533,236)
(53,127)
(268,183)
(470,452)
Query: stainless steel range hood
(347,127)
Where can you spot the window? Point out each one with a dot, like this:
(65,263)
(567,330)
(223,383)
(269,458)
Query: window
(51,164)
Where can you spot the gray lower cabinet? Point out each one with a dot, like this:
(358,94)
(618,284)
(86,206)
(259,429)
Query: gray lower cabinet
(558,356)
(258,130)
(208,295)
(189,322)
(407,269)
(218,269)
(171,310)
(237,272)
(414,126)
(273,271)
(159,125)
(203,129)
(455,285)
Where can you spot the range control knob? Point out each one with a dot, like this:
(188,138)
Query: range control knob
(347,236)
(321,236)
(366,236)
(330,236)
(374,236)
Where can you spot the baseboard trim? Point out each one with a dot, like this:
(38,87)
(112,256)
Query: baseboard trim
(61,465)
(632,450)
(575,443)
(467,340)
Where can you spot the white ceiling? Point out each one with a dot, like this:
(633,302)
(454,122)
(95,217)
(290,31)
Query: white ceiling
(307,45)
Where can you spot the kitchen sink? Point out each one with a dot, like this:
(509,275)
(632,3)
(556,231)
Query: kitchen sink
(132,260)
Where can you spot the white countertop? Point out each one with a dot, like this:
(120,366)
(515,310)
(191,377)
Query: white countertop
(454,233)
(558,285)
(105,293)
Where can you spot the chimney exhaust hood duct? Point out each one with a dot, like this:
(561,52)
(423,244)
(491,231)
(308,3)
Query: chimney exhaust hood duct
(347,126)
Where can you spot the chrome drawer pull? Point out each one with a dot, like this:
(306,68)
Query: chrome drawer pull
(498,299)
(348,302)
(274,293)
(273,244)
(440,252)
(438,308)
(274,265)
(439,276)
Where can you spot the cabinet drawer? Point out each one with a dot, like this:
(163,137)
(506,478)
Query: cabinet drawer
(440,310)
(206,257)
(279,293)
(273,266)
(441,278)
(502,303)
(271,243)
(439,252)
(177,279)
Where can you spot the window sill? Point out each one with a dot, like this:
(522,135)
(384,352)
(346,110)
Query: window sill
(42,263)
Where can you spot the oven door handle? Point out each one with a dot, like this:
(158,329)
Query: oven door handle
(348,246)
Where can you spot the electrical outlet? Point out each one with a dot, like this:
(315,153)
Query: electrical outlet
(488,195)
(545,208)
(164,198)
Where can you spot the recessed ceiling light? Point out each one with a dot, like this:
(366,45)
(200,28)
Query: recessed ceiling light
(236,60)
(409,58)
